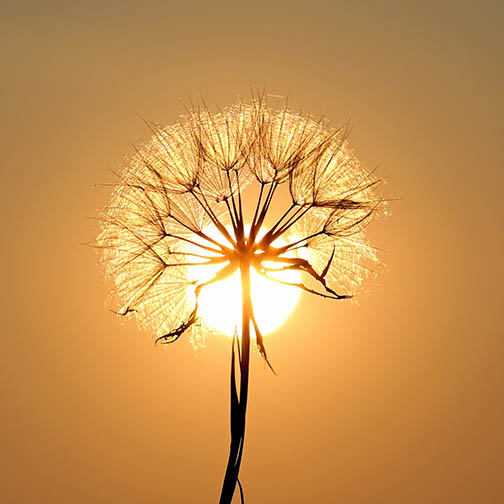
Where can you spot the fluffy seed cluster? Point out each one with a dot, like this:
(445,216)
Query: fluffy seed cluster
(189,183)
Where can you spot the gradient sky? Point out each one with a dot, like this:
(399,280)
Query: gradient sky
(395,400)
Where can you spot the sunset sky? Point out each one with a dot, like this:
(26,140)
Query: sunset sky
(394,399)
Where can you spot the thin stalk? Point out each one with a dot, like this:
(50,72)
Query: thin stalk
(291,246)
(279,221)
(254,230)
(231,215)
(292,220)
(241,228)
(210,249)
(257,206)
(239,404)
(232,195)
(238,229)
(240,207)
(208,210)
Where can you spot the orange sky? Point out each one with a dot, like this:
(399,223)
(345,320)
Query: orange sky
(397,399)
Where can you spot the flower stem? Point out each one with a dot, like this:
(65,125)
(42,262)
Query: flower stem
(239,403)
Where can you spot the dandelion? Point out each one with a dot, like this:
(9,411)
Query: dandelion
(180,221)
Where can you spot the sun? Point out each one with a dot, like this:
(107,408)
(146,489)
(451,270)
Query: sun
(220,304)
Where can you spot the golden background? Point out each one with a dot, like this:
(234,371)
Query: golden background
(395,400)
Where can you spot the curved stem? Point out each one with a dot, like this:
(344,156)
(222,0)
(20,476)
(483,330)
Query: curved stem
(239,403)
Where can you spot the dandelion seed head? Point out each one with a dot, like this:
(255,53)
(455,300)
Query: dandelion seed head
(194,175)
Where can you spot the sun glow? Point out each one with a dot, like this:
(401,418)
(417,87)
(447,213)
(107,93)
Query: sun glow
(220,304)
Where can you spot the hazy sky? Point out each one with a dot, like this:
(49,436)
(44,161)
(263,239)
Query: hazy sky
(397,399)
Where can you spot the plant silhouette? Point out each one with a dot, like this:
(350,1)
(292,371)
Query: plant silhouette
(189,183)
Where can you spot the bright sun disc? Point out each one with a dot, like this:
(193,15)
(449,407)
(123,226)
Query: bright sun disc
(220,304)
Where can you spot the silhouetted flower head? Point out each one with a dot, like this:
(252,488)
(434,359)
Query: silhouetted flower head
(189,184)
